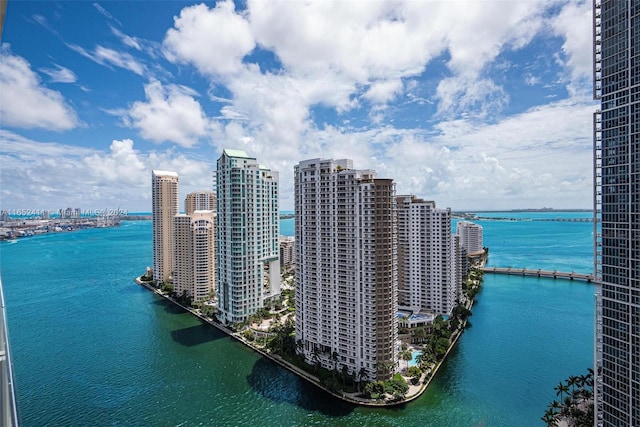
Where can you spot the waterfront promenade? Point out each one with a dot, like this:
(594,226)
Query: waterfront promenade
(555,274)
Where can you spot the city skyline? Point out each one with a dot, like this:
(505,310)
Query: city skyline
(479,104)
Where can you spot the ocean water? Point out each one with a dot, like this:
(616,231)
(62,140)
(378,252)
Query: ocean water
(90,347)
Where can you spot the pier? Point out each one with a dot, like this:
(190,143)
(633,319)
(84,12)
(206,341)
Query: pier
(554,274)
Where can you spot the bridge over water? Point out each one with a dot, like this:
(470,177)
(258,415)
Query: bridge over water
(554,274)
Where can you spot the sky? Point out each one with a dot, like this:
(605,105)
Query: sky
(478,105)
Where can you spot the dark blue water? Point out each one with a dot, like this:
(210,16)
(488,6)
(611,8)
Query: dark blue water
(92,348)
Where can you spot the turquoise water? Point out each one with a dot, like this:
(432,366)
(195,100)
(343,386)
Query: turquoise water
(92,348)
(547,245)
(287,227)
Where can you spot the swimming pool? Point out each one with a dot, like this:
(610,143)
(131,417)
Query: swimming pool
(414,358)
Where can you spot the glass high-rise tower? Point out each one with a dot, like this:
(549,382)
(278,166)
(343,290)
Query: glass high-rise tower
(617,211)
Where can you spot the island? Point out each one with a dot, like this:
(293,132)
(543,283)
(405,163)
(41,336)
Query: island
(271,333)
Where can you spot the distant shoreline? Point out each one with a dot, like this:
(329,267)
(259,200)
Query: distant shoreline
(21,228)
(520,210)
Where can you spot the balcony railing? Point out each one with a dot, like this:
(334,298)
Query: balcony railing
(8,408)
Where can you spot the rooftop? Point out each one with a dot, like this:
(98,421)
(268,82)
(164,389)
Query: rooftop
(236,153)
(165,173)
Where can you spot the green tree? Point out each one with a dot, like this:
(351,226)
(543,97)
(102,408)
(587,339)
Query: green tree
(167,288)
(441,347)
(375,390)
(249,335)
(414,373)
(345,376)
(420,333)
(397,387)
(575,403)
(362,377)
(316,358)
(384,368)
(561,389)
(406,356)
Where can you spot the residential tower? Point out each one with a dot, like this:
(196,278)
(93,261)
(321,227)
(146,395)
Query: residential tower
(248,247)
(346,268)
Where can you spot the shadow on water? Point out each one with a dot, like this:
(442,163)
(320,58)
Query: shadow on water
(281,386)
(168,306)
(196,335)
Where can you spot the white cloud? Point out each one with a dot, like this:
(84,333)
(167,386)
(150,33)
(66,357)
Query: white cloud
(478,31)
(214,40)
(511,163)
(363,41)
(170,113)
(118,177)
(126,39)
(60,74)
(447,65)
(384,91)
(463,94)
(25,103)
(102,10)
(574,24)
(108,57)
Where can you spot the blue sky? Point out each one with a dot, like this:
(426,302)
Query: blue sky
(477,105)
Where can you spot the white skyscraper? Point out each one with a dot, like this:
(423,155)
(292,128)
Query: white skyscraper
(194,250)
(470,237)
(346,275)
(200,201)
(164,201)
(248,247)
(427,276)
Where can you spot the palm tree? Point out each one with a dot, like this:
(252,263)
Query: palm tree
(573,382)
(582,381)
(316,358)
(406,356)
(384,367)
(561,389)
(362,374)
(345,375)
(589,378)
(549,418)
(567,406)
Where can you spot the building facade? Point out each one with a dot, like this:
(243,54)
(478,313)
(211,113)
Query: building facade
(470,237)
(346,268)
(426,258)
(287,251)
(200,201)
(194,252)
(248,229)
(164,206)
(617,211)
